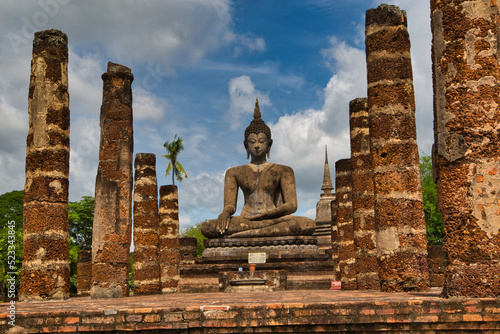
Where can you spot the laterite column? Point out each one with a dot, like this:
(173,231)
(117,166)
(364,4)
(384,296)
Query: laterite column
(45,270)
(345,237)
(169,239)
(146,225)
(112,232)
(399,210)
(466,75)
(365,242)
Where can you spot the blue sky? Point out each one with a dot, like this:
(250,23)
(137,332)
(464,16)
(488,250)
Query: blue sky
(198,67)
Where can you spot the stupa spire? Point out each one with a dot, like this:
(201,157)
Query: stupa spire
(327,180)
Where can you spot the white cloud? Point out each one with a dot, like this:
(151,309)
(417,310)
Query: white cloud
(147,106)
(85,84)
(200,195)
(242,94)
(247,42)
(84,157)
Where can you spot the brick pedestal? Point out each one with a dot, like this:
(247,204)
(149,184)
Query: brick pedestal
(112,231)
(399,214)
(363,197)
(146,226)
(466,153)
(45,270)
(169,239)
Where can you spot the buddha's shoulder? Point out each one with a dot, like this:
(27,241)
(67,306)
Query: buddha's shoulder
(283,168)
(249,167)
(236,169)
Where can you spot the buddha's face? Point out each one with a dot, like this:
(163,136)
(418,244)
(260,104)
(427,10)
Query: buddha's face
(258,145)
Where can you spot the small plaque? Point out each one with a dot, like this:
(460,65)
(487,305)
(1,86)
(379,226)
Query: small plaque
(256,257)
(336,285)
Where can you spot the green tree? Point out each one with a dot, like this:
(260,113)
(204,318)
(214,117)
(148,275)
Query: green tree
(194,231)
(433,218)
(11,219)
(81,219)
(174,148)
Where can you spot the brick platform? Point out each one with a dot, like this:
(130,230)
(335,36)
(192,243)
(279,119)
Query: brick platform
(279,311)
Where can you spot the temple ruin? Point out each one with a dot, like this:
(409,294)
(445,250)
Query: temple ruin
(370,233)
(466,150)
(45,269)
(365,234)
(146,226)
(345,233)
(323,218)
(398,210)
(169,239)
(112,232)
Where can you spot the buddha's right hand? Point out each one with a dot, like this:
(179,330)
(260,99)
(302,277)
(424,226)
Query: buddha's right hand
(223,223)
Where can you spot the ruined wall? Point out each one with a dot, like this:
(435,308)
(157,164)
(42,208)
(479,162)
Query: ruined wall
(84,273)
(112,231)
(363,197)
(345,236)
(335,239)
(45,269)
(169,239)
(466,77)
(146,226)
(399,215)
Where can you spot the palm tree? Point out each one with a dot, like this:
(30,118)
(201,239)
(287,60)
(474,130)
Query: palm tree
(174,148)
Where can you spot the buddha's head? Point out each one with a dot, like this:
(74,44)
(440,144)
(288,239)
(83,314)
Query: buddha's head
(257,129)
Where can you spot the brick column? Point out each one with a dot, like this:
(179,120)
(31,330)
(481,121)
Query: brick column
(169,239)
(146,225)
(363,197)
(466,151)
(335,239)
(346,260)
(112,232)
(45,270)
(84,273)
(399,214)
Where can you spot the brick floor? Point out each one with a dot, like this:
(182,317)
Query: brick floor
(283,311)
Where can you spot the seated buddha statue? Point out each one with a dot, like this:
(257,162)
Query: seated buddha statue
(269,193)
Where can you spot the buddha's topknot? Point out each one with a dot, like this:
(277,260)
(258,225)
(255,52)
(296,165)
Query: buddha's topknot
(257,125)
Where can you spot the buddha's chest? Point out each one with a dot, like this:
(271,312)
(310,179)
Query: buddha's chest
(265,182)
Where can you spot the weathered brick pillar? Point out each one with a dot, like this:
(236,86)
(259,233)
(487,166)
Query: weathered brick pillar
(466,151)
(45,270)
(363,197)
(112,232)
(169,239)
(146,225)
(346,260)
(84,273)
(399,213)
(335,239)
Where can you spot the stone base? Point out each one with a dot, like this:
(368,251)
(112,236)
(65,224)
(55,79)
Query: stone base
(473,280)
(276,248)
(252,281)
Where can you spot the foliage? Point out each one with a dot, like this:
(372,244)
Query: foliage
(174,148)
(433,219)
(194,231)
(11,210)
(81,218)
(73,264)
(80,214)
